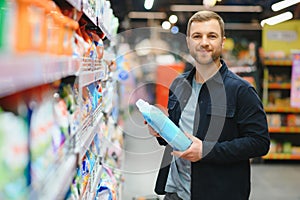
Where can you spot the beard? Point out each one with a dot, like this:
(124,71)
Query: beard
(205,59)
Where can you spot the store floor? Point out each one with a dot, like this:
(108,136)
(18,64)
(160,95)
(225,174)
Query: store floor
(142,155)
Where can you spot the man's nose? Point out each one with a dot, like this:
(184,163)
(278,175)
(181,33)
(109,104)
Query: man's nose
(204,41)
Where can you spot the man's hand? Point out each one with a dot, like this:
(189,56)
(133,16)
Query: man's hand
(194,152)
(151,130)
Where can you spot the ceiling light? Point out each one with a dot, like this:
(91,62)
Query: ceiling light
(173,19)
(217,8)
(283,4)
(166,25)
(148,4)
(277,19)
(174,29)
(210,3)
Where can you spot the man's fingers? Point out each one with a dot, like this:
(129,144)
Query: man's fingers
(152,131)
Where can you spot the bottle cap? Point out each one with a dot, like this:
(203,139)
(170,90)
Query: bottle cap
(141,104)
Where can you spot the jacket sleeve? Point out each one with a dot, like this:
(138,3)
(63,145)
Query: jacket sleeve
(253,138)
(161,141)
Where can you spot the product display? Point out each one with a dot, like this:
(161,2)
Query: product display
(14,158)
(278,92)
(282,117)
(59,99)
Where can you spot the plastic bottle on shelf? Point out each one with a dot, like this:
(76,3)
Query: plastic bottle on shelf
(2,20)
(7,25)
(164,126)
(31,28)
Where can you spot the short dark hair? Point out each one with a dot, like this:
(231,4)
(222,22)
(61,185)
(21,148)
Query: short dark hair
(205,15)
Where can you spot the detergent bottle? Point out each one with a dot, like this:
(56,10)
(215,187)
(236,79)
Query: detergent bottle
(164,126)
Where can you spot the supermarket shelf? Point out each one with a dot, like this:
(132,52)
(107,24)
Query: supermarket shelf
(20,72)
(283,86)
(75,3)
(97,21)
(243,69)
(96,177)
(281,156)
(87,76)
(90,191)
(295,130)
(58,181)
(31,69)
(279,62)
(86,195)
(101,74)
(87,133)
(281,109)
(89,12)
(104,29)
(62,180)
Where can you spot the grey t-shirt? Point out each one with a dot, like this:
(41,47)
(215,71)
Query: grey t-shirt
(179,175)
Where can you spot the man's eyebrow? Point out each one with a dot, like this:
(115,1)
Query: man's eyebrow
(212,32)
(197,32)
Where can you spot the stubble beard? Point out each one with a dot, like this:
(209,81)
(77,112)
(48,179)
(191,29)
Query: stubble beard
(205,60)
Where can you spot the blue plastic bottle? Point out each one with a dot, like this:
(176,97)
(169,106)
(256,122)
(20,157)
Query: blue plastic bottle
(164,126)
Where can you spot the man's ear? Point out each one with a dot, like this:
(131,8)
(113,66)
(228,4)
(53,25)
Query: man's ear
(223,42)
(187,42)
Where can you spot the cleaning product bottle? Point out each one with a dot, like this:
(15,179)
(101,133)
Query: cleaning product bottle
(3,11)
(164,126)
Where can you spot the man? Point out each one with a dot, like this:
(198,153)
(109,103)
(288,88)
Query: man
(223,116)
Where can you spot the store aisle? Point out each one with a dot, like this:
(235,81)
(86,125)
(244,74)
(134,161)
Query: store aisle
(275,181)
(270,181)
(141,160)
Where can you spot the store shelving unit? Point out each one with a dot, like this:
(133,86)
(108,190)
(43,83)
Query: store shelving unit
(31,70)
(285,135)
(75,3)
(39,69)
(60,178)
(281,156)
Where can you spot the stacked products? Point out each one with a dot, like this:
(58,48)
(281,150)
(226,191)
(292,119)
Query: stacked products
(57,131)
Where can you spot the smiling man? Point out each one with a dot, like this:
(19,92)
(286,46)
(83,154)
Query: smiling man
(223,116)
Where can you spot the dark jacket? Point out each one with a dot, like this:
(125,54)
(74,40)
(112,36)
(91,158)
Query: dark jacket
(231,122)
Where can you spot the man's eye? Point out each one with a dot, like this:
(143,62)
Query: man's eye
(213,36)
(196,36)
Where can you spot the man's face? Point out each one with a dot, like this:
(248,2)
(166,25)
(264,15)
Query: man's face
(205,41)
